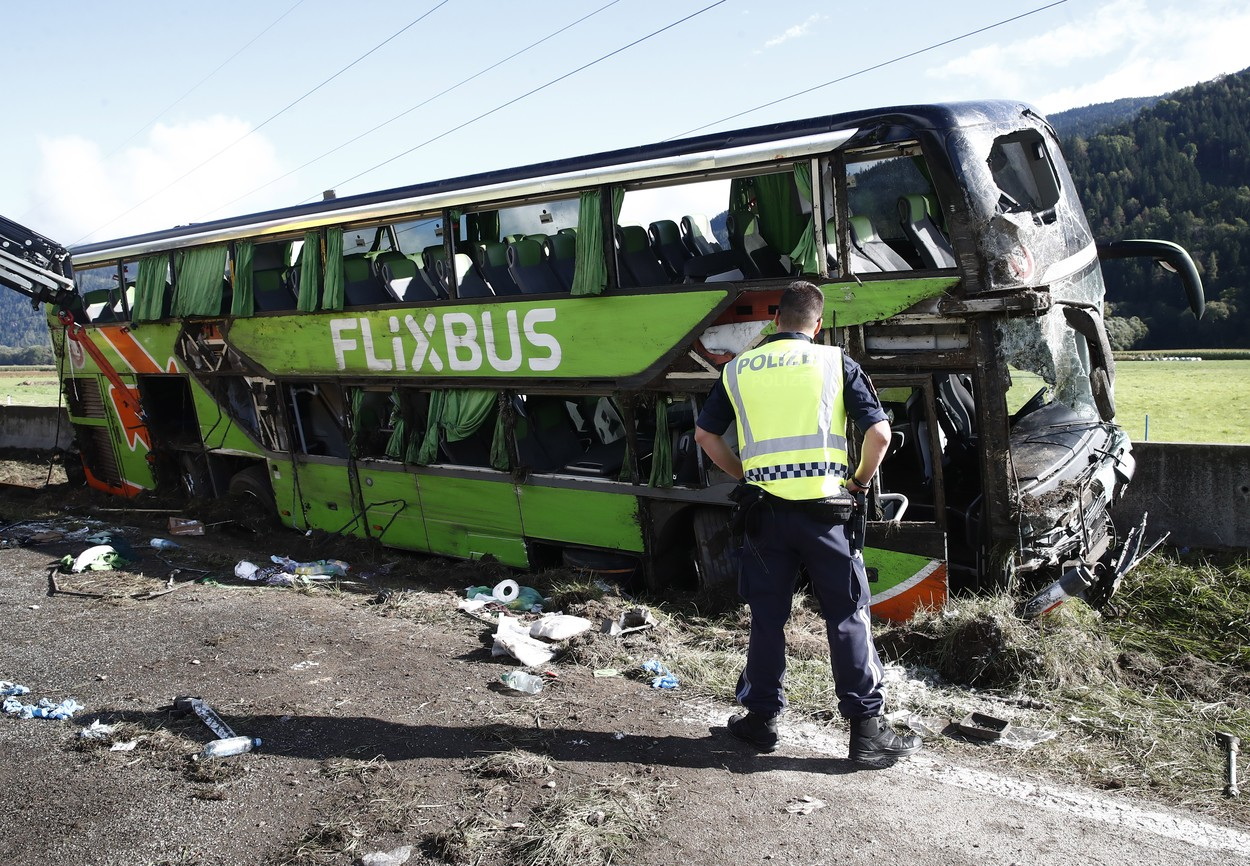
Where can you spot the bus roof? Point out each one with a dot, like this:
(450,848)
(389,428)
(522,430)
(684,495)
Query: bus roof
(779,141)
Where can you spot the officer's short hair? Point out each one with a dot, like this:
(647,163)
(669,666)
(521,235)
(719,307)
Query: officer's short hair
(801,304)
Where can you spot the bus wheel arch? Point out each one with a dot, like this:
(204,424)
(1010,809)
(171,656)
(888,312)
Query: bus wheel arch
(253,483)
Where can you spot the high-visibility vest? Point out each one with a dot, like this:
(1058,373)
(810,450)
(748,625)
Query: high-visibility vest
(791,418)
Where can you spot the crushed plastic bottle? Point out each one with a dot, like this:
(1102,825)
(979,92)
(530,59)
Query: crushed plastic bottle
(520,681)
(230,746)
(164,544)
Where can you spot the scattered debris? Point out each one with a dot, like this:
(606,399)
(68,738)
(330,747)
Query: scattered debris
(394,857)
(805,805)
(560,626)
(607,672)
(520,681)
(633,620)
(44,709)
(983,727)
(507,593)
(512,638)
(663,679)
(1232,745)
(185,526)
(101,557)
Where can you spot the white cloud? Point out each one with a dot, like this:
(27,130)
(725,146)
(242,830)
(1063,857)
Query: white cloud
(793,32)
(1123,48)
(142,188)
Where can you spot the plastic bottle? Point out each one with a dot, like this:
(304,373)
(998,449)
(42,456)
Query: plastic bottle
(521,681)
(230,746)
(164,544)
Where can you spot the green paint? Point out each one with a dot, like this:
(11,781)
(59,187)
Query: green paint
(851,303)
(217,429)
(563,338)
(468,517)
(326,492)
(282,478)
(594,518)
(392,502)
(893,567)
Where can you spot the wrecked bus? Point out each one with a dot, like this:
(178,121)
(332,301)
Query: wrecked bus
(510,364)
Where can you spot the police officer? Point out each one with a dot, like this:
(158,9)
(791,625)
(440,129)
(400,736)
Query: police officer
(790,399)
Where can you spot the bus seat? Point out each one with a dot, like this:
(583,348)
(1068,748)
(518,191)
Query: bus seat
(271,291)
(562,256)
(869,245)
(716,267)
(666,241)
(956,408)
(696,234)
(493,262)
(639,266)
(362,285)
(568,231)
(469,283)
(744,236)
(403,274)
(105,303)
(428,261)
(914,215)
(530,269)
(545,438)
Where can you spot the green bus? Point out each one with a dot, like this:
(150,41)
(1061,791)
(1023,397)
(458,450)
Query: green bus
(510,364)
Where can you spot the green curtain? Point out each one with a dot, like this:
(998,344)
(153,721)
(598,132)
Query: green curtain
(150,288)
(243,302)
(454,415)
(771,198)
(332,292)
(499,457)
(662,449)
(805,254)
(309,272)
(590,275)
(199,277)
(356,400)
(399,428)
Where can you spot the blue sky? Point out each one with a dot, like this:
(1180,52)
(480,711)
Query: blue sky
(135,116)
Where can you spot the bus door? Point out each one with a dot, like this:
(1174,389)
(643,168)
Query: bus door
(906,550)
(321,485)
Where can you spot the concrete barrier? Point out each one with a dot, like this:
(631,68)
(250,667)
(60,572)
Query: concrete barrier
(1198,493)
(34,428)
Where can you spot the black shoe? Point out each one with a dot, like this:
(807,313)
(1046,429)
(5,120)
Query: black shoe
(874,742)
(755,728)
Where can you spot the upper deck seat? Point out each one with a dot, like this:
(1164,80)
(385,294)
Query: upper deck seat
(530,269)
(405,277)
(867,243)
(666,241)
(548,441)
(428,260)
(363,285)
(696,234)
(561,249)
(492,260)
(745,237)
(915,215)
(469,283)
(639,265)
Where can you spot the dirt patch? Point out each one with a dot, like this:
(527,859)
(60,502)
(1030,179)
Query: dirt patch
(384,724)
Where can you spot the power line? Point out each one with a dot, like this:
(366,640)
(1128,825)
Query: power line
(199,83)
(421,104)
(529,93)
(872,68)
(267,120)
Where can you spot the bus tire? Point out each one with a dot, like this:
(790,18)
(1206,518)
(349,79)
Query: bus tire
(253,484)
(716,557)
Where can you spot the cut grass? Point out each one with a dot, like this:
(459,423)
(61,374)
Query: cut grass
(1186,401)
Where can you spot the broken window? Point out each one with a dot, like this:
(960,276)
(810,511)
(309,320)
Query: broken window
(1021,166)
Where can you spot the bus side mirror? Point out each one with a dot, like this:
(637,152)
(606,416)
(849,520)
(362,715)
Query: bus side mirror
(1173,257)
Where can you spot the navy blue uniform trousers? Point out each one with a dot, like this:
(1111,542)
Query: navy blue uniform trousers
(781,537)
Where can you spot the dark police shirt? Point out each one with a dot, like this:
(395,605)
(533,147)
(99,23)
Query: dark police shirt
(858,395)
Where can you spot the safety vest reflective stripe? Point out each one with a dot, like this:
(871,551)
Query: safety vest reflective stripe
(787,398)
(826,439)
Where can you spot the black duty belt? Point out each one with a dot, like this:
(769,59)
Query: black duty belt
(836,509)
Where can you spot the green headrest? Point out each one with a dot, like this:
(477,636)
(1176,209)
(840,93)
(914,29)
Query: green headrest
(527,252)
(914,207)
(665,232)
(633,238)
(563,246)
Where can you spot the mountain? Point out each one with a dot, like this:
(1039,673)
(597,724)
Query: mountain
(1178,170)
(23,331)
(1091,119)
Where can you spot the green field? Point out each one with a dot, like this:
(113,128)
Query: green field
(28,386)
(1186,401)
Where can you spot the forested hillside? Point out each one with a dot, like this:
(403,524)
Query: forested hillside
(1091,119)
(23,331)
(1178,171)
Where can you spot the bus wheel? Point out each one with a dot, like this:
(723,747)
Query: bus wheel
(716,557)
(253,484)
